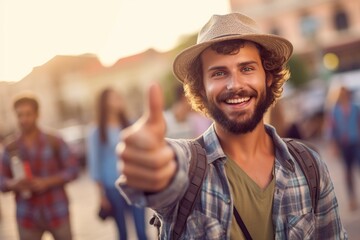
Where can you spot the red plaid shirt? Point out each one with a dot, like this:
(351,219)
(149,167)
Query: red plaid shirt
(45,159)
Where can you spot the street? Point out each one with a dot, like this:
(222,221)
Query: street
(350,220)
(86,225)
(83,208)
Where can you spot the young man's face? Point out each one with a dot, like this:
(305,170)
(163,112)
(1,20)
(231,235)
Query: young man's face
(236,88)
(27,117)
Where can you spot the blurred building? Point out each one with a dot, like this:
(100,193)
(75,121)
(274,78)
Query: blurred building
(315,27)
(67,87)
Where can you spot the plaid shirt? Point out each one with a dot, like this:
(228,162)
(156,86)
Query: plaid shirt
(292,214)
(46,160)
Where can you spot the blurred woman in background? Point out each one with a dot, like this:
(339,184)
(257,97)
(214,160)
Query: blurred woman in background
(102,162)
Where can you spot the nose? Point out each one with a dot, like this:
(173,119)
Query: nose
(234,82)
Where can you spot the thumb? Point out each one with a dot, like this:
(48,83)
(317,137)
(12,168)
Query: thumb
(155,104)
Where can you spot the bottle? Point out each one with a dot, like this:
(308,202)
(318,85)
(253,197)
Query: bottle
(18,171)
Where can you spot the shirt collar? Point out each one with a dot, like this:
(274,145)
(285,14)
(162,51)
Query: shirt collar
(213,148)
(215,152)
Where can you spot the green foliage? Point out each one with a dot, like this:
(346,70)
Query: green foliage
(169,85)
(299,72)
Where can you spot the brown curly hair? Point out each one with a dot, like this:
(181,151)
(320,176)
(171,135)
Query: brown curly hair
(273,65)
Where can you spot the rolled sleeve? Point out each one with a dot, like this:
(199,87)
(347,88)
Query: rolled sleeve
(173,192)
(71,167)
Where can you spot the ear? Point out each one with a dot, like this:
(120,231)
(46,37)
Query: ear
(202,93)
(269,80)
(202,90)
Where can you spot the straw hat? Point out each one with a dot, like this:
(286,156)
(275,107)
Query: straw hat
(227,27)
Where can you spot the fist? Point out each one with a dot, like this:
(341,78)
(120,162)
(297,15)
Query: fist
(147,162)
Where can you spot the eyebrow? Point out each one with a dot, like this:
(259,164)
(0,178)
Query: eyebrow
(242,64)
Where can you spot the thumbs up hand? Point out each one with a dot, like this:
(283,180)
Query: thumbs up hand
(148,163)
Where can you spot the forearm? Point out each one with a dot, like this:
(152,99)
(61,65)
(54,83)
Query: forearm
(16,185)
(69,172)
(54,181)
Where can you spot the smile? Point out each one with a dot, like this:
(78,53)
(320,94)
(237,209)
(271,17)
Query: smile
(237,100)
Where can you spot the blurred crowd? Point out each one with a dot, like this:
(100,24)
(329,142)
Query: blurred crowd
(36,164)
(336,124)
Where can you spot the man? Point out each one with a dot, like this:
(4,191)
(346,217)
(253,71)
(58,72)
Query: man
(233,74)
(41,200)
(182,121)
(345,134)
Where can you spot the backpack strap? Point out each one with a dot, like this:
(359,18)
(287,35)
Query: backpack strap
(309,167)
(197,171)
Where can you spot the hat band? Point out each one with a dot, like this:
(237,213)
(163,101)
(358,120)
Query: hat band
(221,36)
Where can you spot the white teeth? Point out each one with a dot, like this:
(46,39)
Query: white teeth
(237,100)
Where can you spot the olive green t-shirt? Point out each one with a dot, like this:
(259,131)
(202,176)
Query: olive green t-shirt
(253,204)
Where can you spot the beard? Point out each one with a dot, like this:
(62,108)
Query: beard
(245,124)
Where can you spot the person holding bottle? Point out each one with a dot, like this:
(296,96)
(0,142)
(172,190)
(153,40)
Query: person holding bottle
(36,166)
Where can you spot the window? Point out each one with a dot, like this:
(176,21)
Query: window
(309,25)
(341,21)
(275,31)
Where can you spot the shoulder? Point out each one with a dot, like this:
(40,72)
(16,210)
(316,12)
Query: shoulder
(334,110)
(319,163)
(179,143)
(306,146)
(92,130)
(357,108)
(181,147)
(52,137)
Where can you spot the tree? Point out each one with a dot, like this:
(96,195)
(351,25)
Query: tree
(299,72)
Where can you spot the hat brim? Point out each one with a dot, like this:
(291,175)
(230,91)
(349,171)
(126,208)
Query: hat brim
(278,45)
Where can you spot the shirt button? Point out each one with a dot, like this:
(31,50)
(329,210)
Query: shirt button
(228,201)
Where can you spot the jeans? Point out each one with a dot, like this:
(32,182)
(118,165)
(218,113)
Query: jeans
(350,154)
(120,206)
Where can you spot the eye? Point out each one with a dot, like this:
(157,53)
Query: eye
(218,74)
(247,69)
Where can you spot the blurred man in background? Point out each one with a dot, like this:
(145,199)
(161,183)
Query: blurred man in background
(344,125)
(36,166)
(182,121)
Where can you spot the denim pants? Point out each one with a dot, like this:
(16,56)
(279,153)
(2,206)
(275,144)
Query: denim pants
(350,154)
(120,206)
